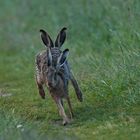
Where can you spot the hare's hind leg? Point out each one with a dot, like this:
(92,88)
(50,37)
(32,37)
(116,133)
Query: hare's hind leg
(40,88)
(62,102)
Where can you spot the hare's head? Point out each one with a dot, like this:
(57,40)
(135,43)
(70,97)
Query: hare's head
(55,59)
(59,40)
(53,70)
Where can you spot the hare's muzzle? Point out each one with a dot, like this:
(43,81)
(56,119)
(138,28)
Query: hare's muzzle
(50,84)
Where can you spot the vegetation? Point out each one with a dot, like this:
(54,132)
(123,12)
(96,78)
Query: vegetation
(103,38)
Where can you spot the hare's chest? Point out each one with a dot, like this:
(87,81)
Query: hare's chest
(58,92)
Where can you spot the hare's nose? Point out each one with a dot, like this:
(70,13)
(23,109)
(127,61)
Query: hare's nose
(50,84)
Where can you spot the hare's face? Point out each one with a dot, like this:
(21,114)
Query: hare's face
(51,76)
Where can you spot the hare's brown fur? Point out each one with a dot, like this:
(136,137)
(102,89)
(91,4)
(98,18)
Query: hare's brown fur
(52,69)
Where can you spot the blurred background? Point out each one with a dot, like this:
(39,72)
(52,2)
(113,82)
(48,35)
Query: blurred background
(104,41)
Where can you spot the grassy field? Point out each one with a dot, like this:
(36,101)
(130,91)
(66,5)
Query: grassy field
(104,43)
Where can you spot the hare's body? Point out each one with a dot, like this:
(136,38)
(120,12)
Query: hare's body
(58,89)
(52,70)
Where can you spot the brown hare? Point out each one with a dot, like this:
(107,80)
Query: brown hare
(52,69)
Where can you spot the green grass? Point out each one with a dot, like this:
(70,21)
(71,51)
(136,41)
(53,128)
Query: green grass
(104,42)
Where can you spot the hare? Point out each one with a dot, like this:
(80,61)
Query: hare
(52,69)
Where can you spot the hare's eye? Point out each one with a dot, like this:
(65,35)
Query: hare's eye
(47,71)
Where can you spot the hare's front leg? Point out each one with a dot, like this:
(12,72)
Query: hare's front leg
(61,110)
(74,83)
(40,88)
(70,107)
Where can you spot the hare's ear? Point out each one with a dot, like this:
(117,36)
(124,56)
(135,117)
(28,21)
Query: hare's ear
(63,57)
(46,39)
(61,37)
(49,57)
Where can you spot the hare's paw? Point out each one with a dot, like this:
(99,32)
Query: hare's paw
(80,96)
(66,121)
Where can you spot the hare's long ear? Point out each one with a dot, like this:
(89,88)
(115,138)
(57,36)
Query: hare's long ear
(49,57)
(61,37)
(46,39)
(63,57)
